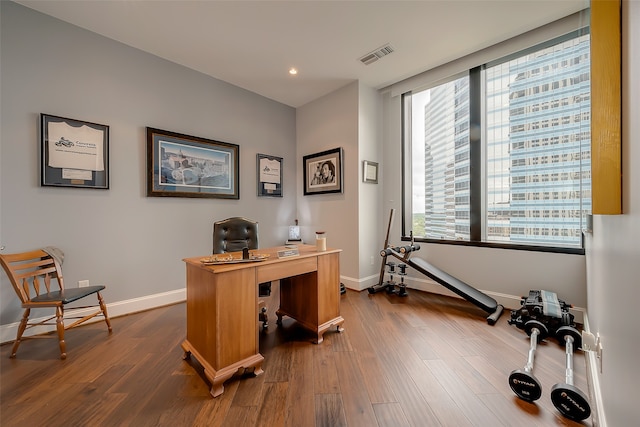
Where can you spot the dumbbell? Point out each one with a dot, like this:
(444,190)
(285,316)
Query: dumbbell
(402,288)
(567,398)
(523,383)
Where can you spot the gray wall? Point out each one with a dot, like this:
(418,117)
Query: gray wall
(371,215)
(327,123)
(350,118)
(613,253)
(119,237)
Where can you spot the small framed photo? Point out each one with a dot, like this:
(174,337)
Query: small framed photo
(269,175)
(370,172)
(73,153)
(189,166)
(323,172)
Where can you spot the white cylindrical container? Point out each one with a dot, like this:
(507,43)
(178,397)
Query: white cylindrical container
(321,241)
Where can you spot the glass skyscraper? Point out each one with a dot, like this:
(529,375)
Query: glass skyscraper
(537,150)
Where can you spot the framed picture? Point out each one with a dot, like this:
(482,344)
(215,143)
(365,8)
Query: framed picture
(323,172)
(73,153)
(370,172)
(269,173)
(188,166)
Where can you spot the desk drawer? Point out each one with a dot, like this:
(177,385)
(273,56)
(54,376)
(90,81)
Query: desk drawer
(288,268)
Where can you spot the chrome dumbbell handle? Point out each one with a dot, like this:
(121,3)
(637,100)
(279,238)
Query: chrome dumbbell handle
(532,350)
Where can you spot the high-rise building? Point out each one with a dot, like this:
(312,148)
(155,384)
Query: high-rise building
(540,186)
(447,161)
(536,134)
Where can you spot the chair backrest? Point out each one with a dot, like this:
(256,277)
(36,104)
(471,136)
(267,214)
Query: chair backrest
(234,234)
(31,273)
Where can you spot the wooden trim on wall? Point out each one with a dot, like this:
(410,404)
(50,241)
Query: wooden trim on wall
(606,108)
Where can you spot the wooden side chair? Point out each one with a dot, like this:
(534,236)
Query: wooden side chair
(234,234)
(36,277)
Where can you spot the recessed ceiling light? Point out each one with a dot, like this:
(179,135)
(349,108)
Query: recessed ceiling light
(293,71)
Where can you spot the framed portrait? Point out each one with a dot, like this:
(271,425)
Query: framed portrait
(323,172)
(370,172)
(189,166)
(73,153)
(269,174)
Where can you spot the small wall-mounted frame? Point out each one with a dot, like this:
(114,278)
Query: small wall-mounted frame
(73,153)
(269,174)
(323,172)
(370,172)
(189,166)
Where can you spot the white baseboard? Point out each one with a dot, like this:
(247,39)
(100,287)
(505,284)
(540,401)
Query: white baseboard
(359,284)
(8,332)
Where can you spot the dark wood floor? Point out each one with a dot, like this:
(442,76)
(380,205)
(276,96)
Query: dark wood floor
(423,360)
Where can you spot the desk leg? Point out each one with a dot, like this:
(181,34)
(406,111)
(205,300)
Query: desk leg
(217,378)
(320,330)
(337,322)
(313,299)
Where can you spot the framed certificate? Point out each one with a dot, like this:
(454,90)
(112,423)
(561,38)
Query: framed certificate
(370,172)
(73,153)
(269,175)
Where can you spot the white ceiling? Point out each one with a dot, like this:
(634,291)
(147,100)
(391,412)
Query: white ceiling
(252,44)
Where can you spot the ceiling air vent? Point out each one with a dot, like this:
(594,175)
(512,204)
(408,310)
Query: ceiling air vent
(372,57)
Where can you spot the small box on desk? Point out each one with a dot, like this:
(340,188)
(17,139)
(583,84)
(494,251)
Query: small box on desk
(288,251)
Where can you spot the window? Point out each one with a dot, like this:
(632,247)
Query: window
(488,148)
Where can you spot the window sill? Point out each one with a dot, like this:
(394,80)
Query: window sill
(533,248)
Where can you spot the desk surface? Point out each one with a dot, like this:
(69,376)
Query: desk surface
(305,251)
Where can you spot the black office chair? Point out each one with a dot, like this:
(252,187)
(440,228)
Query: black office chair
(234,234)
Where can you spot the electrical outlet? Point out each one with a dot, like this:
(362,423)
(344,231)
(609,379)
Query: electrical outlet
(372,262)
(83,283)
(588,341)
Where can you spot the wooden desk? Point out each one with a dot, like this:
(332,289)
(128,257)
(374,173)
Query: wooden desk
(222,306)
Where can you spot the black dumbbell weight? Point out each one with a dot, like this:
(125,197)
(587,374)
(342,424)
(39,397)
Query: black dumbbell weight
(402,288)
(522,381)
(391,284)
(567,398)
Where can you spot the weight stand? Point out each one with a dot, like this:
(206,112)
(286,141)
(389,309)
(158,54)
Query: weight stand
(523,383)
(389,285)
(381,283)
(567,398)
(392,287)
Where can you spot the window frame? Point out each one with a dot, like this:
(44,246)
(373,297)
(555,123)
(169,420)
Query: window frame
(477,147)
